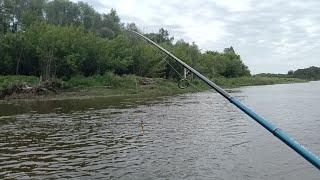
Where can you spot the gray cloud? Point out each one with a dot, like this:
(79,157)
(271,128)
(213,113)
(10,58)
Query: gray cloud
(271,36)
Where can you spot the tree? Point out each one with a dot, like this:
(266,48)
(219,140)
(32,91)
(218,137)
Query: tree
(161,37)
(60,38)
(6,15)
(311,73)
(32,12)
(88,16)
(133,27)
(62,12)
(120,54)
(110,25)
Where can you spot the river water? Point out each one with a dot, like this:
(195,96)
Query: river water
(189,136)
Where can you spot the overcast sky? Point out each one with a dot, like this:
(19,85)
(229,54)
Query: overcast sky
(271,36)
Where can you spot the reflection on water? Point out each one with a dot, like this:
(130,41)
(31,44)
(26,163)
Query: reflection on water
(191,136)
(70,105)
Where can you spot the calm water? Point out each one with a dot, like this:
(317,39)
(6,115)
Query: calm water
(190,136)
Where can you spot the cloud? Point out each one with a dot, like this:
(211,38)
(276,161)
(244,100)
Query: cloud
(233,6)
(271,36)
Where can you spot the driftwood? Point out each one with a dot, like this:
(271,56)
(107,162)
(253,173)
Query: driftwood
(20,88)
(145,81)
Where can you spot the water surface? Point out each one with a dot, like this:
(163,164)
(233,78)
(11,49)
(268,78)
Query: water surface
(190,136)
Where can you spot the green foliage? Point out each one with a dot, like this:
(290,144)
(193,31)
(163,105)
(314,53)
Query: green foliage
(18,14)
(63,39)
(272,75)
(6,81)
(227,64)
(161,37)
(120,54)
(115,81)
(81,81)
(147,61)
(311,73)
(112,84)
(109,79)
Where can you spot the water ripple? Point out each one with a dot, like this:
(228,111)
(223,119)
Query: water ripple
(191,136)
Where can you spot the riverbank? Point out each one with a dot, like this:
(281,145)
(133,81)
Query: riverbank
(111,85)
(255,81)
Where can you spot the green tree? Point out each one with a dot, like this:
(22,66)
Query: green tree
(62,38)
(161,37)
(311,73)
(62,12)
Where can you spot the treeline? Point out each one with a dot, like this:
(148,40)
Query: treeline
(61,39)
(271,75)
(311,73)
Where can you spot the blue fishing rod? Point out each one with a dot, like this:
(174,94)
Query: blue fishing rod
(305,153)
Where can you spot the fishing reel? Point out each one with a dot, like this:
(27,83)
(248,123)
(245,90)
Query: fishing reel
(183,83)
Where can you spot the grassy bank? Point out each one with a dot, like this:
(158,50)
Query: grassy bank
(254,81)
(113,85)
(106,85)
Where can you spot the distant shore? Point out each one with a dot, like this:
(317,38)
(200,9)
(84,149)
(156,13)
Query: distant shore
(80,87)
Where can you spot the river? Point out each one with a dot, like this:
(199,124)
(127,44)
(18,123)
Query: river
(189,136)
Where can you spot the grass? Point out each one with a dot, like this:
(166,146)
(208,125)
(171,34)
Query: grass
(109,79)
(110,84)
(6,81)
(125,85)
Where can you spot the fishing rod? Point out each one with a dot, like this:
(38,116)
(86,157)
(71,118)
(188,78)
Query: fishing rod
(305,153)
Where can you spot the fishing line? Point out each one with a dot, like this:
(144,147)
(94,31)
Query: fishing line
(182,80)
(277,132)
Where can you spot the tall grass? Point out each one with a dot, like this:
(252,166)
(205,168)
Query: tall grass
(6,81)
(109,79)
(129,83)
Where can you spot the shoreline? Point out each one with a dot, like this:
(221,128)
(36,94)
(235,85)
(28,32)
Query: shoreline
(159,88)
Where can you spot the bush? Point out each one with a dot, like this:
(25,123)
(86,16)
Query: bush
(116,81)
